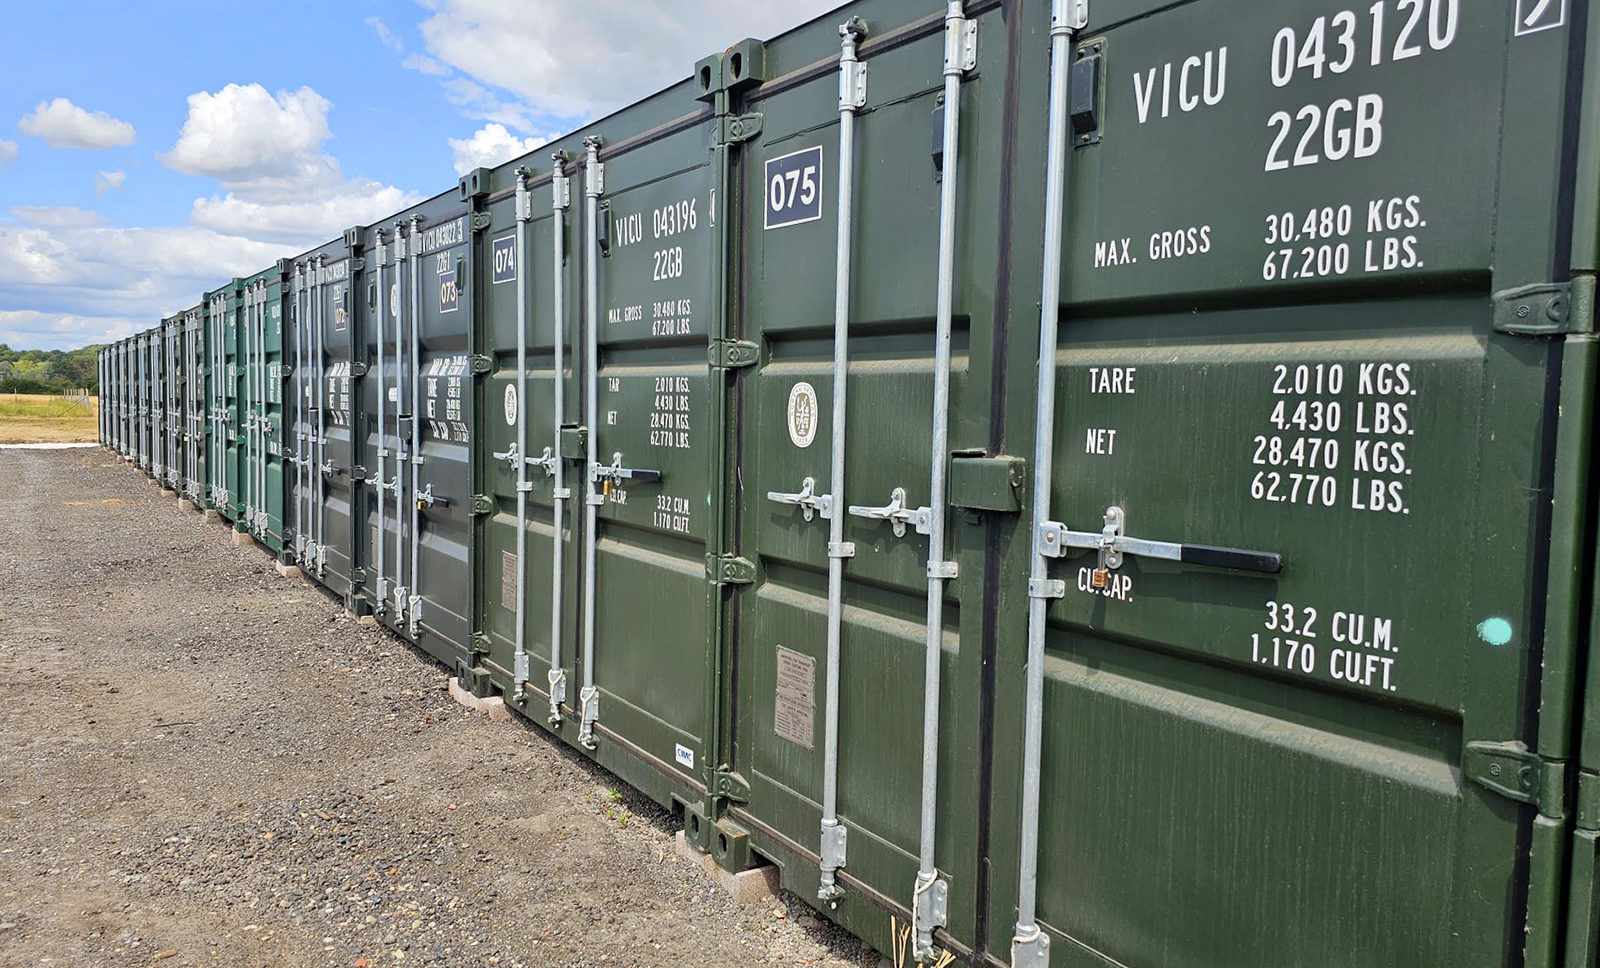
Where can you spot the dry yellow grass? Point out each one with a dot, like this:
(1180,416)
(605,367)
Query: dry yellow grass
(39,419)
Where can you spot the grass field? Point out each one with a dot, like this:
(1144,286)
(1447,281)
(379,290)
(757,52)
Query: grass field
(38,419)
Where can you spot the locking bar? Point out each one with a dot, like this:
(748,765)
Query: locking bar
(426,499)
(1030,946)
(1055,540)
(593,188)
(560,202)
(615,473)
(897,513)
(811,503)
(852,97)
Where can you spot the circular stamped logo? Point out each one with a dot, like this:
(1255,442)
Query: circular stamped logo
(802,414)
(511,404)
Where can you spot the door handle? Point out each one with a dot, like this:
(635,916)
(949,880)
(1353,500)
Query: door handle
(898,514)
(807,499)
(1112,544)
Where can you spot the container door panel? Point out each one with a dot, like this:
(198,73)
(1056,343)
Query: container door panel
(506,400)
(338,419)
(792,177)
(650,441)
(1284,349)
(442,495)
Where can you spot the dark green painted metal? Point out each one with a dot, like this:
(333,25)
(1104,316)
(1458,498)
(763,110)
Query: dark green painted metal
(1384,755)
(1188,766)
(173,454)
(224,425)
(325,482)
(256,348)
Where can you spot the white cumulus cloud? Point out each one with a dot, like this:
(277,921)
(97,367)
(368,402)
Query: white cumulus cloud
(60,217)
(62,331)
(491,146)
(67,267)
(279,185)
(62,124)
(8,152)
(245,136)
(67,278)
(109,181)
(604,53)
(315,219)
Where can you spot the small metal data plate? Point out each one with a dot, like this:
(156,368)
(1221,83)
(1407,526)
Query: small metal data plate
(508,581)
(794,714)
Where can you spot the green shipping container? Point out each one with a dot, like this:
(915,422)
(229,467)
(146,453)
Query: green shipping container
(1071,483)
(1301,687)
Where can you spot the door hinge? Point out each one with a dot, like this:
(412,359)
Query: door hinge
(481,363)
(359,369)
(481,221)
(358,576)
(1518,773)
(1588,801)
(730,786)
(1540,310)
(730,570)
(741,128)
(358,265)
(732,354)
(481,504)
(480,643)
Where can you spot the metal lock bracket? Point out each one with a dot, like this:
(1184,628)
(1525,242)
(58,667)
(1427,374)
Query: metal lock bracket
(811,503)
(730,570)
(732,354)
(898,514)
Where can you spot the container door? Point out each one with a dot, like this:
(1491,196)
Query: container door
(336,458)
(518,268)
(647,231)
(172,346)
(300,411)
(272,448)
(157,349)
(1293,330)
(438,424)
(379,427)
(194,414)
(793,177)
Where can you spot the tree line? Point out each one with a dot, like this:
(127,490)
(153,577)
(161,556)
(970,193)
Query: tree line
(49,371)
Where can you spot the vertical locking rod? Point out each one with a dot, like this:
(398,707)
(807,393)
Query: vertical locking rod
(929,893)
(302,356)
(1030,946)
(561,188)
(589,696)
(382,480)
(833,835)
(401,286)
(519,451)
(318,372)
(413,505)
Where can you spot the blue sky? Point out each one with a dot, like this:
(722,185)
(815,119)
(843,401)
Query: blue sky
(150,151)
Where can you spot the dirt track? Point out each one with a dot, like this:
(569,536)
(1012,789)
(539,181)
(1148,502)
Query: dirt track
(206,764)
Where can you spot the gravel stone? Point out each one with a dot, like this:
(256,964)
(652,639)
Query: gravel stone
(208,764)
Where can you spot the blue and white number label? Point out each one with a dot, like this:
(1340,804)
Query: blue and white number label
(449,292)
(505,259)
(1534,16)
(794,188)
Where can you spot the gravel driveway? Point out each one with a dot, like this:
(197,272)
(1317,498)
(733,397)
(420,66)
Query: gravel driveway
(205,764)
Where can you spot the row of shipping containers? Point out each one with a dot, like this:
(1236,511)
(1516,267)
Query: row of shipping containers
(1091,482)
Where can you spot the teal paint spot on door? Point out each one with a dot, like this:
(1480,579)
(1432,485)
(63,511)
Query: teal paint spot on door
(1495,631)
